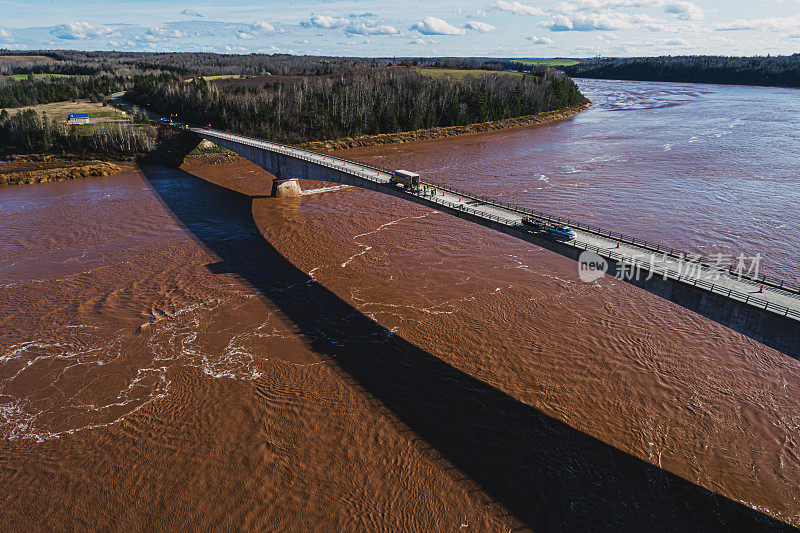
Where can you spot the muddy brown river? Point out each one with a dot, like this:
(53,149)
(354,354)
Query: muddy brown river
(178,350)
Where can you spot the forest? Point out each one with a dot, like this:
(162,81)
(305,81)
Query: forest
(360,102)
(31,91)
(210,64)
(281,97)
(781,71)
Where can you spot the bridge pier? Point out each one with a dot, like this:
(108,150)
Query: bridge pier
(288,188)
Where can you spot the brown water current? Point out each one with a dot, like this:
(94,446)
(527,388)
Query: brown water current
(178,350)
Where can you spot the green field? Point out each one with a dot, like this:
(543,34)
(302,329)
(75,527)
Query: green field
(218,77)
(60,110)
(38,76)
(548,61)
(460,74)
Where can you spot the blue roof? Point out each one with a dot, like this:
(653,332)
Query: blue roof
(79,115)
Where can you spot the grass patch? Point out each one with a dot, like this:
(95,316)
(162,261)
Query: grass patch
(60,110)
(460,74)
(90,129)
(218,77)
(38,76)
(548,61)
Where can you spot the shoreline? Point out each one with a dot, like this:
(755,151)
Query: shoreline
(45,169)
(442,132)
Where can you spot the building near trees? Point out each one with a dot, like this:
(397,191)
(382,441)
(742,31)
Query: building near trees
(78,118)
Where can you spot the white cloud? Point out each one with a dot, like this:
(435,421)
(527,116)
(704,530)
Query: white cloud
(156,34)
(519,8)
(765,24)
(682,9)
(603,5)
(597,21)
(675,42)
(479,26)
(191,13)
(4,35)
(481,13)
(244,35)
(80,30)
(418,40)
(364,29)
(262,26)
(436,26)
(685,10)
(539,40)
(325,21)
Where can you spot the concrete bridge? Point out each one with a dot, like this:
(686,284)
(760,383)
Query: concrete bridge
(762,308)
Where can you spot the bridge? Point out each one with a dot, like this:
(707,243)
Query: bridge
(763,308)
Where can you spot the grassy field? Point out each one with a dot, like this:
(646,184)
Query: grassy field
(60,110)
(219,77)
(38,76)
(548,61)
(461,74)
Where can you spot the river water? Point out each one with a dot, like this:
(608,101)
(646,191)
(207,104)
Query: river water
(179,350)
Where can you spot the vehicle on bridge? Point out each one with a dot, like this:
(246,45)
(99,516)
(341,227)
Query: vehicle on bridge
(405,178)
(532,224)
(559,232)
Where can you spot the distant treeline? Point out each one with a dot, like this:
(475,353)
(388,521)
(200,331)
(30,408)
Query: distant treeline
(19,93)
(208,64)
(781,71)
(30,132)
(360,102)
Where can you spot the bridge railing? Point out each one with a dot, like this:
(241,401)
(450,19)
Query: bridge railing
(694,281)
(664,272)
(792,289)
(293,149)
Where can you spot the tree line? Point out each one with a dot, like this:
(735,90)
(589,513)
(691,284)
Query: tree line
(783,71)
(361,101)
(210,64)
(31,91)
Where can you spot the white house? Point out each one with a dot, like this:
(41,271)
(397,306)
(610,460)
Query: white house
(78,118)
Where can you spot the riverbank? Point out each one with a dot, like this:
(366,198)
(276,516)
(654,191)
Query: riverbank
(23,170)
(41,168)
(546,117)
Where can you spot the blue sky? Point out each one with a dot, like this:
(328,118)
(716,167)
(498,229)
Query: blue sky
(502,28)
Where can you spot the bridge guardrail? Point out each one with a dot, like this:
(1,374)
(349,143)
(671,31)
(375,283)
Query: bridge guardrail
(788,287)
(661,271)
(707,285)
(293,148)
(791,289)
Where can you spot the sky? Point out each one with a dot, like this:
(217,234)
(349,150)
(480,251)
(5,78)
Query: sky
(389,28)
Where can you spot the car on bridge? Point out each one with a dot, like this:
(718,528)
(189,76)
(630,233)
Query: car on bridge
(559,232)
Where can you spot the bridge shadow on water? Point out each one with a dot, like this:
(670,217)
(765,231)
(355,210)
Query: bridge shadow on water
(549,475)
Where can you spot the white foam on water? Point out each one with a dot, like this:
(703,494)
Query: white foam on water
(324,189)
(366,248)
